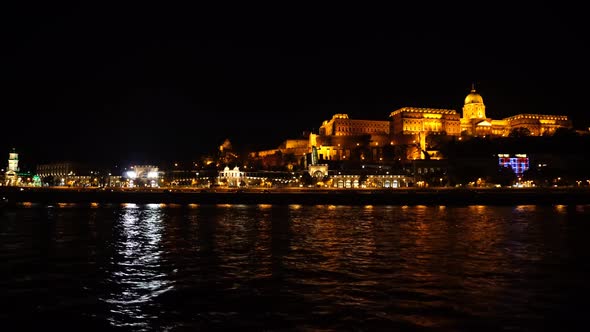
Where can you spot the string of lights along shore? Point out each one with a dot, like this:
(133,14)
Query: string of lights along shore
(412,146)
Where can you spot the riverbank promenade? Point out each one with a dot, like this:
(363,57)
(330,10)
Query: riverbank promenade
(304,196)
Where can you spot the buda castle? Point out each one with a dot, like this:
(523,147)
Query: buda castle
(407,128)
(474,121)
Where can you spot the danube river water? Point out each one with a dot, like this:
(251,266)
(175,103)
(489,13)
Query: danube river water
(161,267)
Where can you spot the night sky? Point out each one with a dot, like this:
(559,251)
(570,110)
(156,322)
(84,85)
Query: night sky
(140,82)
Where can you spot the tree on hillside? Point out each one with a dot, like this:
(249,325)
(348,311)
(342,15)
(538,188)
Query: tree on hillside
(307,179)
(520,132)
(565,132)
(504,176)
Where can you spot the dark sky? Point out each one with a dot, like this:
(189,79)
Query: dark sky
(141,82)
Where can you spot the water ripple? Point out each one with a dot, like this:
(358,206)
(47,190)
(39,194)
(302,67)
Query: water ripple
(320,268)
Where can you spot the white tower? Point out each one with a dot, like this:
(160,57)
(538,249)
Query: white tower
(11,172)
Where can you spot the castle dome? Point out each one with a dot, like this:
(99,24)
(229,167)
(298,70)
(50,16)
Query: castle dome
(473,98)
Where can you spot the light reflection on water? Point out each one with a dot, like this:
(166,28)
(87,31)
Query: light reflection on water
(159,267)
(136,277)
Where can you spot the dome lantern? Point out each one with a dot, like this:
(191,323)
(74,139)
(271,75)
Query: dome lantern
(473,97)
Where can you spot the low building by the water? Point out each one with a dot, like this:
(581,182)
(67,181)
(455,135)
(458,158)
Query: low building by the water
(143,176)
(70,174)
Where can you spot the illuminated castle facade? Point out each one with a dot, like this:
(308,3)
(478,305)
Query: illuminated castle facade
(404,135)
(342,125)
(475,123)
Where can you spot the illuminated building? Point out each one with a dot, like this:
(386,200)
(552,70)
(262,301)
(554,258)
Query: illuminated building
(11,177)
(413,120)
(232,177)
(342,125)
(180,174)
(475,123)
(537,124)
(297,147)
(143,176)
(345,139)
(410,126)
(406,134)
(519,162)
(69,174)
(314,168)
(370,181)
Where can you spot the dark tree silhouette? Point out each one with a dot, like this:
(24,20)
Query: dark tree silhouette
(504,176)
(520,132)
